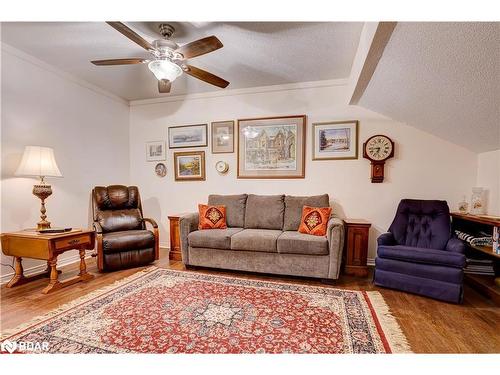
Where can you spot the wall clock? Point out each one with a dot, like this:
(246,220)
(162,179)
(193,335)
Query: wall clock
(222,167)
(378,149)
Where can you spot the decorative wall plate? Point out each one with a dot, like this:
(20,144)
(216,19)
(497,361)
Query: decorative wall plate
(222,167)
(161,170)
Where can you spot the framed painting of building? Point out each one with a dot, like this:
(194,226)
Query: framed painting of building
(272,147)
(222,137)
(336,140)
(187,136)
(189,166)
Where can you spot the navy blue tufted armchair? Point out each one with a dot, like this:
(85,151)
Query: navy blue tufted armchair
(419,255)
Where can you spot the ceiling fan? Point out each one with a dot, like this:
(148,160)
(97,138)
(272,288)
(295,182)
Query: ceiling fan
(168,58)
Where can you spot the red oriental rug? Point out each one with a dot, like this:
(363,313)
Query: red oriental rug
(165,311)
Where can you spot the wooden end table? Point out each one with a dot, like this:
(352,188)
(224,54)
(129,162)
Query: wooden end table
(31,244)
(175,237)
(356,247)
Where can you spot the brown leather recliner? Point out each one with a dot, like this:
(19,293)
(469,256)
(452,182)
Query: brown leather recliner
(122,238)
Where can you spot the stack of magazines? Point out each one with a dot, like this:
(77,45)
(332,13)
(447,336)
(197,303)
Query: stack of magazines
(479,266)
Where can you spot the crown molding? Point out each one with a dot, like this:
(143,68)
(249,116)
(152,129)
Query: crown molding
(245,91)
(7,48)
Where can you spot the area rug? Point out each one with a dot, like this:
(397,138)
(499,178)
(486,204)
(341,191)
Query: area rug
(165,311)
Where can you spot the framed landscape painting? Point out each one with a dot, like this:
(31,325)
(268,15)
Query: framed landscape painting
(222,137)
(189,166)
(155,151)
(272,147)
(187,136)
(335,140)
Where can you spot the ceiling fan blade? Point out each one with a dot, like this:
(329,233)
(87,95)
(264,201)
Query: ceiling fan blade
(128,61)
(164,86)
(200,47)
(131,34)
(206,76)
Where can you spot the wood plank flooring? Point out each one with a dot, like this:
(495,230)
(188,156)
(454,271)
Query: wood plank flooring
(430,326)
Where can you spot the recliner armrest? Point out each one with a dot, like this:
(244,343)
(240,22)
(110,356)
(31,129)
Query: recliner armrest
(386,239)
(150,221)
(455,245)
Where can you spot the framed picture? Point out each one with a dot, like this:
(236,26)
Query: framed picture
(272,147)
(335,140)
(187,136)
(222,137)
(155,151)
(189,166)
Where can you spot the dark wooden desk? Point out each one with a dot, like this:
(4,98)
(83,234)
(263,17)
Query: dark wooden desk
(31,244)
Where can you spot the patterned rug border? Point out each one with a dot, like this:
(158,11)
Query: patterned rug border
(387,325)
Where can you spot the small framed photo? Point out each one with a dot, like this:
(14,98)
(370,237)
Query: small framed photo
(155,151)
(187,136)
(222,137)
(189,166)
(336,140)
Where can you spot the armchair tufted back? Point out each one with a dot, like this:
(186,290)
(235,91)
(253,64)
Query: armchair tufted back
(422,223)
(117,208)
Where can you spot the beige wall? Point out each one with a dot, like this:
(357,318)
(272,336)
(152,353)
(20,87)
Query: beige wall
(89,134)
(424,165)
(488,177)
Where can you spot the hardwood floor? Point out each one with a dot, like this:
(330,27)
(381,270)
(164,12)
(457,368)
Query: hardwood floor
(430,326)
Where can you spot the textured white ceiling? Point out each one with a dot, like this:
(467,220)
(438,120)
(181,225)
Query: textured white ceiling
(443,78)
(254,54)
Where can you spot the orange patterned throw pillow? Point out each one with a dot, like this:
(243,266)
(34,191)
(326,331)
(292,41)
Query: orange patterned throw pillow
(314,220)
(212,217)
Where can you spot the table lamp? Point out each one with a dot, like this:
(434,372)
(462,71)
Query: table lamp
(39,162)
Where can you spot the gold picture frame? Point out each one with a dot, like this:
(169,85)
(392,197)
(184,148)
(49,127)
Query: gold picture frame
(335,140)
(272,147)
(189,166)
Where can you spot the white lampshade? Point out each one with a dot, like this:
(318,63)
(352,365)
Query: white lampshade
(165,69)
(38,161)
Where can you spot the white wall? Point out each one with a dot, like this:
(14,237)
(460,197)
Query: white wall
(488,177)
(424,165)
(89,134)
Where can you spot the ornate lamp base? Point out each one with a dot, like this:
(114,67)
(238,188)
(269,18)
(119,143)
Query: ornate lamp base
(42,191)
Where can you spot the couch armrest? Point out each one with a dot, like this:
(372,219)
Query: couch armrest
(187,223)
(386,239)
(335,236)
(150,221)
(455,246)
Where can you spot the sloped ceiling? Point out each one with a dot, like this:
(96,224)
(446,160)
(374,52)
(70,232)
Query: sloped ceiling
(443,78)
(254,54)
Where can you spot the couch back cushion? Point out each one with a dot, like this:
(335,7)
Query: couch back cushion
(294,205)
(235,208)
(264,211)
(117,208)
(422,223)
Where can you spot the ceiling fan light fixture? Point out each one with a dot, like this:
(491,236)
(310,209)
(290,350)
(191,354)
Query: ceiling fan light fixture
(165,69)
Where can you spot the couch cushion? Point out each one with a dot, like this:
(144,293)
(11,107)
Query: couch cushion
(419,255)
(264,212)
(256,240)
(294,205)
(127,240)
(235,208)
(292,242)
(212,238)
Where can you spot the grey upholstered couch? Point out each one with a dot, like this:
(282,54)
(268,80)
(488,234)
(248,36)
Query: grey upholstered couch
(262,236)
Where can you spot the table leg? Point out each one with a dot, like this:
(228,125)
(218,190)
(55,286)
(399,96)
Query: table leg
(54,283)
(84,275)
(18,277)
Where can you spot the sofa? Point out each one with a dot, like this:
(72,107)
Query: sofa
(262,236)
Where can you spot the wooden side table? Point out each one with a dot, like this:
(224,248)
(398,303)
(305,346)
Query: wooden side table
(356,247)
(175,237)
(31,244)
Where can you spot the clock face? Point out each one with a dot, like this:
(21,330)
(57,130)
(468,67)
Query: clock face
(378,147)
(222,166)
